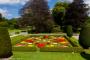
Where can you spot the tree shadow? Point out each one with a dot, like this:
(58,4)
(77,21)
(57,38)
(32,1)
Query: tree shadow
(85,55)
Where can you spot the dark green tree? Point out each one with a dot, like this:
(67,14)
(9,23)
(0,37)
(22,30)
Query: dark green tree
(76,14)
(0,17)
(3,21)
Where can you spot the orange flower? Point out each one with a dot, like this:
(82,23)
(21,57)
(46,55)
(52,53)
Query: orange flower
(29,41)
(60,40)
(46,36)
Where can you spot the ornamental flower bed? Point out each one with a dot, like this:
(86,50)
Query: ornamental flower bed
(44,41)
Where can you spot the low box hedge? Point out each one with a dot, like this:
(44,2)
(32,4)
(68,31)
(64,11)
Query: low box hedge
(61,49)
(73,42)
(25,49)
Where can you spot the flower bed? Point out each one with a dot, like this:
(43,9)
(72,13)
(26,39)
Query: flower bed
(44,41)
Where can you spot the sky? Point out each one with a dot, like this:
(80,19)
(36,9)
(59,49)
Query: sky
(10,8)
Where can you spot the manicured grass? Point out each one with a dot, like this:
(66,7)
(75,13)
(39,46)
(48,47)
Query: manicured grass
(46,56)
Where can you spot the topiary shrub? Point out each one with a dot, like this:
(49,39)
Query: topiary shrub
(5,43)
(56,29)
(69,31)
(84,38)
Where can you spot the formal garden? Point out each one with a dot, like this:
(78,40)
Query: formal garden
(41,33)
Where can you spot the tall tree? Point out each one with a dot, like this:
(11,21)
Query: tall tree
(76,14)
(26,15)
(41,18)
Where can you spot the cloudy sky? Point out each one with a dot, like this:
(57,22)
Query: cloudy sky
(10,8)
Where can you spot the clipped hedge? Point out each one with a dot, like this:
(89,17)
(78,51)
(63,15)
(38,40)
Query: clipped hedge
(69,31)
(5,43)
(25,49)
(46,34)
(73,42)
(84,38)
(61,49)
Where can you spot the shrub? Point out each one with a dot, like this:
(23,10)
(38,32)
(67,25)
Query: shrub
(17,32)
(73,41)
(4,24)
(25,49)
(29,31)
(5,43)
(61,49)
(56,29)
(23,31)
(69,31)
(84,38)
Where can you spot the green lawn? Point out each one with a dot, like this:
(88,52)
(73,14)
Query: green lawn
(46,56)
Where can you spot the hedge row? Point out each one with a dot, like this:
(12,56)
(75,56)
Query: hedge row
(62,49)
(72,41)
(46,34)
(25,49)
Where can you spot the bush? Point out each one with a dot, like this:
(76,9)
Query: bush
(73,41)
(61,49)
(17,32)
(84,38)
(4,24)
(23,31)
(69,31)
(5,43)
(25,49)
(56,29)
(29,31)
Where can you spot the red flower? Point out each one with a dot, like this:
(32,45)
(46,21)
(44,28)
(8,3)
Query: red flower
(46,36)
(30,41)
(60,40)
(40,45)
